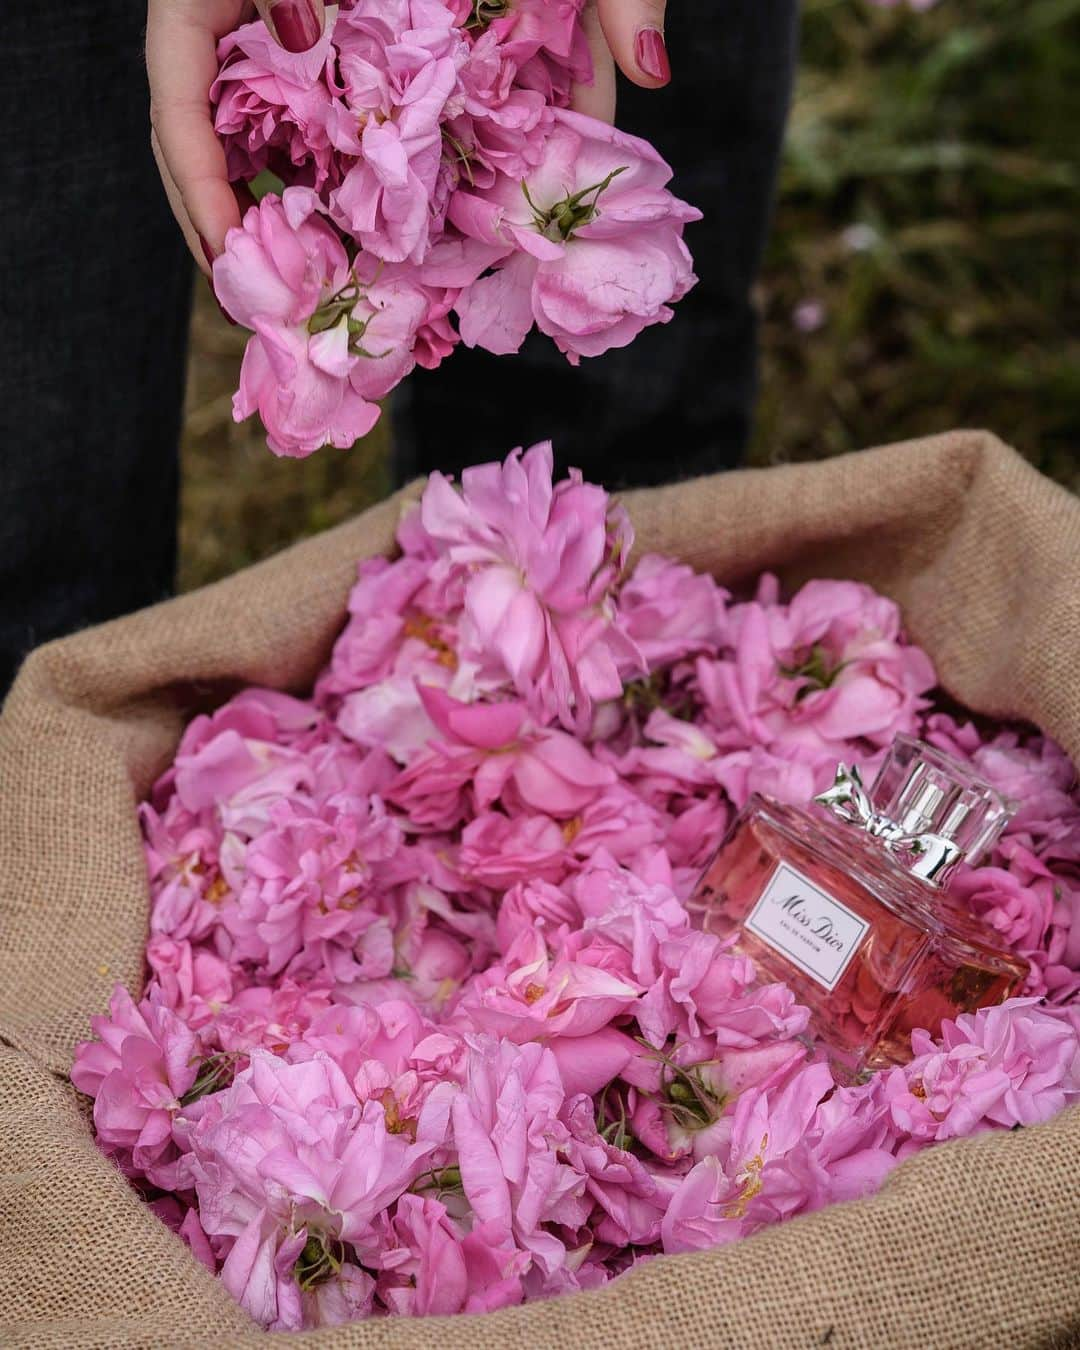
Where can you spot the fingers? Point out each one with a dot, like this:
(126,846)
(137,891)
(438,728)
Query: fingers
(596,99)
(179,210)
(634,30)
(296,24)
(181,62)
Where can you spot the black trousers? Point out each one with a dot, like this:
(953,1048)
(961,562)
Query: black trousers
(95,284)
(678,401)
(95,287)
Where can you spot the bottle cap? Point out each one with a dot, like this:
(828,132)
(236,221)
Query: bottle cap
(927,792)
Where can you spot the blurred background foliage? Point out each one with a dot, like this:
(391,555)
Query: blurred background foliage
(929,221)
(923,271)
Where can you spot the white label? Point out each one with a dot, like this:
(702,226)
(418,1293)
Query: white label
(807,925)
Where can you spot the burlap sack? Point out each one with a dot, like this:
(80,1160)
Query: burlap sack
(971,1244)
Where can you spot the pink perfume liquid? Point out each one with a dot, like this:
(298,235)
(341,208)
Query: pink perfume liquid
(821,906)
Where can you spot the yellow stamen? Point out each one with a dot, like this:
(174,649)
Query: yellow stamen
(217,891)
(396,1123)
(752,1183)
(421,627)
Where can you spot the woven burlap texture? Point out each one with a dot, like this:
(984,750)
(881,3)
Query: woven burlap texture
(970,1244)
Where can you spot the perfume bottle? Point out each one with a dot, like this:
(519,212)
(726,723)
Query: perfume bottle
(844,902)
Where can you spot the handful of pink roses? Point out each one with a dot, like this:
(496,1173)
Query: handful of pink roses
(428,1027)
(437,189)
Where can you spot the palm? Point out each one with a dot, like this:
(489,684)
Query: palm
(181,41)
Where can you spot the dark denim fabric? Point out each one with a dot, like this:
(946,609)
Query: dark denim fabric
(678,401)
(95,284)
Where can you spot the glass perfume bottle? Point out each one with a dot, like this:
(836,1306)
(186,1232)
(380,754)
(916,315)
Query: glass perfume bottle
(843,901)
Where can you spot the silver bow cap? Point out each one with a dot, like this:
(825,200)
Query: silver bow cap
(928,855)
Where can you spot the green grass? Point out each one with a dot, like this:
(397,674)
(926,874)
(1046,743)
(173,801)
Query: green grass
(950,140)
(953,139)
(240,503)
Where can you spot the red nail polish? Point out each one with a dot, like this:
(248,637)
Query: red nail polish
(652,55)
(297,25)
(208,252)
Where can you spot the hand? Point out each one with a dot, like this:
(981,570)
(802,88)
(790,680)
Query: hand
(181,59)
(629,34)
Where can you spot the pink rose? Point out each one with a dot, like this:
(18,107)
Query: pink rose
(271,107)
(268,1018)
(829,669)
(288,1167)
(507,1132)
(1019,913)
(596,244)
(532,996)
(432,1267)
(144,1061)
(192,982)
(671,611)
(551,27)
(498,850)
(501,127)
(727,1197)
(629,1199)
(536,564)
(301,907)
(398,68)
(1014,1064)
(328,337)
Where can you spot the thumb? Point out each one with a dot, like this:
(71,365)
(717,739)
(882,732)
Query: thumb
(295,25)
(597,98)
(634,30)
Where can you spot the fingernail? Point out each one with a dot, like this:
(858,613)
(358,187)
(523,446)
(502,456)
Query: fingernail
(297,25)
(224,314)
(208,252)
(652,55)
